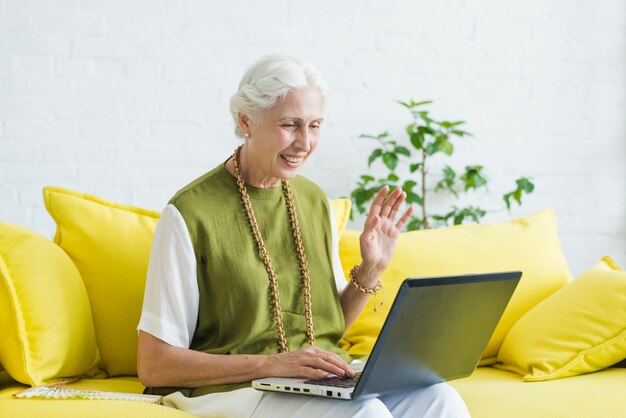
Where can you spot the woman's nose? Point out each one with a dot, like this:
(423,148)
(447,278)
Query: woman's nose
(303,140)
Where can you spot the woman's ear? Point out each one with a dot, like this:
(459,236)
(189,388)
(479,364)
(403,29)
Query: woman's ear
(244,124)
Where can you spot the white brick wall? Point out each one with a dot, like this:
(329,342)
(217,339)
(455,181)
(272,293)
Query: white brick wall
(128,99)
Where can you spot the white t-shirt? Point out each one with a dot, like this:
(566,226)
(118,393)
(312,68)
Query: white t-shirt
(171,298)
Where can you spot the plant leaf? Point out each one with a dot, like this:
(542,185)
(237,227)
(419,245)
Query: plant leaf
(417,140)
(391,160)
(424,116)
(458,132)
(449,173)
(432,149)
(447,124)
(525,184)
(446,147)
(426,130)
(448,181)
(359,198)
(421,103)
(403,150)
(373,156)
(408,185)
(379,136)
(370,193)
(412,197)
(473,178)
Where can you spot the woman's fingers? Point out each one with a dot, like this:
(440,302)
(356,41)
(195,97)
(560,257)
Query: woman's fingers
(310,373)
(378,201)
(405,218)
(340,367)
(387,205)
(396,205)
(321,364)
(314,360)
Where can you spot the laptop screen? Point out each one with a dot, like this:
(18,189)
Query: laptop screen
(437,329)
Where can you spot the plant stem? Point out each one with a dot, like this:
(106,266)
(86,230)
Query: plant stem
(423,170)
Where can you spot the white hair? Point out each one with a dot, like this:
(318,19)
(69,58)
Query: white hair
(271,78)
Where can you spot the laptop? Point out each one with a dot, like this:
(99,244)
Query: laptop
(437,330)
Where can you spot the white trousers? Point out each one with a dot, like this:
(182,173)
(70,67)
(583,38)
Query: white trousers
(436,401)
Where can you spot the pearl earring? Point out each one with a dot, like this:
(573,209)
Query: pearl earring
(247,135)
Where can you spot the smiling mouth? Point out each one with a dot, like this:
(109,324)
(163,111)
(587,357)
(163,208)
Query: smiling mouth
(292,160)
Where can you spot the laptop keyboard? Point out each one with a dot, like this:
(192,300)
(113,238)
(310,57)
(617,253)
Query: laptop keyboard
(336,381)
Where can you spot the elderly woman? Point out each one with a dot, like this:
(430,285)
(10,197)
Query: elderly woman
(245,281)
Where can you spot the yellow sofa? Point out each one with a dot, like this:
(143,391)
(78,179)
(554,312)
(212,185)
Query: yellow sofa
(68,311)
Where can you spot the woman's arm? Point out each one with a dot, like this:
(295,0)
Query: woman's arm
(161,364)
(378,243)
(353,301)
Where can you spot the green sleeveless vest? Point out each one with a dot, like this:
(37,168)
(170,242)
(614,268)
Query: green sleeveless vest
(235,311)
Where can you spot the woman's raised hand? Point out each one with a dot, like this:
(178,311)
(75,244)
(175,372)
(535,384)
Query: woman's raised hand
(380,233)
(310,362)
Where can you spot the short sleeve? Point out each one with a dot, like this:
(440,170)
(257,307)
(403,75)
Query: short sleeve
(340,278)
(171,297)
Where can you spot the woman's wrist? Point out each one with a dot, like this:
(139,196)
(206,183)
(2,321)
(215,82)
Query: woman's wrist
(367,275)
(371,290)
(265,365)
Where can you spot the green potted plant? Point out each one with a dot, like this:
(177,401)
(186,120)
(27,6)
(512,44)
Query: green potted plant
(427,139)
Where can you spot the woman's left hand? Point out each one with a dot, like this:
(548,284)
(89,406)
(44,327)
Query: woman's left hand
(380,233)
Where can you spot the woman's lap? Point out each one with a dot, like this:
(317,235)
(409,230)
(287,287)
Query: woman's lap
(440,400)
(434,401)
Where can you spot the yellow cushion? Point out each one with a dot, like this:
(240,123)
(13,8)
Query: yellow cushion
(110,245)
(527,244)
(341,213)
(579,329)
(47,330)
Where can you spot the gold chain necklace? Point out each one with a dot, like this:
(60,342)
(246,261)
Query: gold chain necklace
(304,267)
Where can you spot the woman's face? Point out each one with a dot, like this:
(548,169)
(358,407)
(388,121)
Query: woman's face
(282,137)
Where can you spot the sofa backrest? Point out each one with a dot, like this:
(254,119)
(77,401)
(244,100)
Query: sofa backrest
(528,244)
